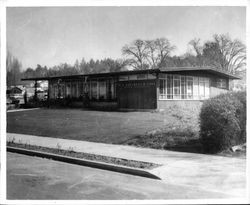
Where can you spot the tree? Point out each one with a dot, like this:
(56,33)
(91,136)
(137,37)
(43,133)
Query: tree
(84,68)
(13,70)
(225,54)
(136,53)
(77,65)
(163,48)
(198,48)
(148,54)
(41,71)
(29,73)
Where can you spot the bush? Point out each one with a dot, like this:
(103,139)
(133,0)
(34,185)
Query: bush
(241,96)
(223,122)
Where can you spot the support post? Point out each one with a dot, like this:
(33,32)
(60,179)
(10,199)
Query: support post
(48,94)
(35,95)
(157,83)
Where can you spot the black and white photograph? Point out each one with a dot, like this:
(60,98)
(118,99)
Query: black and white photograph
(120,103)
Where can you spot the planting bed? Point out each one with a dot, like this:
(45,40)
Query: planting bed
(87,156)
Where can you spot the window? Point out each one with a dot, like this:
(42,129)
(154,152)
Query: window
(163,89)
(169,87)
(73,90)
(68,90)
(141,76)
(102,90)
(123,78)
(132,77)
(177,90)
(61,91)
(221,83)
(189,87)
(93,90)
(183,87)
(55,91)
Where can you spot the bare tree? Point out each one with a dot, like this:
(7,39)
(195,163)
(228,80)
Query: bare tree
(163,48)
(225,54)
(136,52)
(196,44)
(148,54)
(198,48)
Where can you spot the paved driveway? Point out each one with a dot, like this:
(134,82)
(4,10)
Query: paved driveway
(208,172)
(37,178)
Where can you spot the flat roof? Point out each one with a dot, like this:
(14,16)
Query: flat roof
(164,70)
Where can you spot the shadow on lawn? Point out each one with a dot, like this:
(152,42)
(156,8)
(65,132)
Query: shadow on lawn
(183,142)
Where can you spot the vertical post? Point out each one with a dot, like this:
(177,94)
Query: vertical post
(109,90)
(48,93)
(77,89)
(65,89)
(157,85)
(70,88)
(35,95)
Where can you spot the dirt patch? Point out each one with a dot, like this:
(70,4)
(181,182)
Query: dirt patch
(87,156)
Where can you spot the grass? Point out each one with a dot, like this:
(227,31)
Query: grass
(170,129)
(87,156)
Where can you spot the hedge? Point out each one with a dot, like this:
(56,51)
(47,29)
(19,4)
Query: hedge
(223,122)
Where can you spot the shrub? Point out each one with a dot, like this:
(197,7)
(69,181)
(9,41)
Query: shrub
(241,96)
(222,122)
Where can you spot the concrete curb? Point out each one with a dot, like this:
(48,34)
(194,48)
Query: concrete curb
(83,162)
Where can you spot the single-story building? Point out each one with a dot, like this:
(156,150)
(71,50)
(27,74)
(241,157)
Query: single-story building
(140,89)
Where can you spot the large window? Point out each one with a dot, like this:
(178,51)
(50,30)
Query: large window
(183,87)
(102,89)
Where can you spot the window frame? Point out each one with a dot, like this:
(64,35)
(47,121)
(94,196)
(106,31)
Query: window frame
(188,83)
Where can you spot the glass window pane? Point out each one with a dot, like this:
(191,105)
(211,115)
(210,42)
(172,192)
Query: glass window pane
(93,90)
(162,88)
(221,83)
(102,90)
(169,87)
(202,90)
(195,88)
(132,77)
(207,90)
(177,84)
(68,90)
(183,87)
(141,76)
(189,89)
(123,78)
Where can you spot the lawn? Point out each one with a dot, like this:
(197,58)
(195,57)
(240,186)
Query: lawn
(148,129)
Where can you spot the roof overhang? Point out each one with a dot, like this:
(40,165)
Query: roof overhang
(129,72)
(210,70)
(93,75)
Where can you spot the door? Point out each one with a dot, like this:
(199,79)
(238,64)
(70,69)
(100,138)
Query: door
(137,94)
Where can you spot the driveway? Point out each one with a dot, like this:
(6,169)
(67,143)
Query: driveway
(210,173)
(37,178)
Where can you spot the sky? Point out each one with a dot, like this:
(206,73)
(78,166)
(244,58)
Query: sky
(53,35)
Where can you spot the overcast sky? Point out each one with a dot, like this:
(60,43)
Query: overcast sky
(53,35)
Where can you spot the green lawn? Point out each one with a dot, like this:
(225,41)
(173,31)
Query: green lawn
(107,127)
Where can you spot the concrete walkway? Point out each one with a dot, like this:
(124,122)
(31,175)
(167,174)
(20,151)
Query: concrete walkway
(213,173)
(20,110)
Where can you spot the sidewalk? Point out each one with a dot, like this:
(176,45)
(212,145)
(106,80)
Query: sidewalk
(213,173)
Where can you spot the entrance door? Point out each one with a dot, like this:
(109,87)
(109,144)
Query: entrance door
(138,94)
